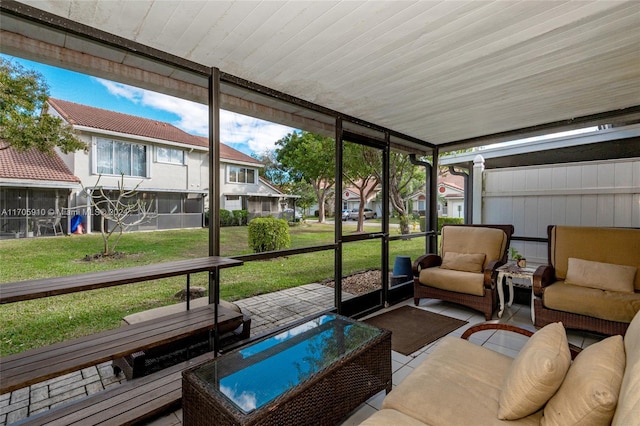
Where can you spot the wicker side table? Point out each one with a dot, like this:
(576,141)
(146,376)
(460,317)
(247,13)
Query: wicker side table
(315,373)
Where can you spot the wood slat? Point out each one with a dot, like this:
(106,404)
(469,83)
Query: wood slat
(46,287)
(127,403)
(33,366)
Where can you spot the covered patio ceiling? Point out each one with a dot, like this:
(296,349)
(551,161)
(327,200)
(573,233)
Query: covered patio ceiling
(447,73)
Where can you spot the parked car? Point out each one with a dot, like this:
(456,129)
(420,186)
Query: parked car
(291,216)
(368,214)
(345,214)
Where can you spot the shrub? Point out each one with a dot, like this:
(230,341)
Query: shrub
(240,217)
(268,234)
(441,221)
(449,220)
(226,218)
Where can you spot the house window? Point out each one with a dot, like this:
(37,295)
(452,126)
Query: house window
(169,155)
(241,175)
(117,157)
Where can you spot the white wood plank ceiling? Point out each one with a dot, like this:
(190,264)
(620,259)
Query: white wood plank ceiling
(440,71)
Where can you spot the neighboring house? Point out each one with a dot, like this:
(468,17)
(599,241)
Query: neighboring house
(450,197)
(170,166)
(351,199)
(34,193)
(242,188)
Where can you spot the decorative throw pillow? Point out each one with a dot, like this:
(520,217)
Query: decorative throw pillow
(468,262)
(589,393)
(604,276)
(536,373)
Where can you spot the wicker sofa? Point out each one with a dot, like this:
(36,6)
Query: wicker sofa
(463,272)
(461,383)
(592,281)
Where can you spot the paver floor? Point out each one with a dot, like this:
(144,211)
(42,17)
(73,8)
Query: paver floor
(267,312)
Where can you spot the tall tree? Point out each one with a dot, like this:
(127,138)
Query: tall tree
(24,122)
(360,163)
(403,178)
(310,157)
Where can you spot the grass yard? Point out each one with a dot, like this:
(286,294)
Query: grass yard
(44,321)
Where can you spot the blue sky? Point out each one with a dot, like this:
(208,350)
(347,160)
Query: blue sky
(246,134)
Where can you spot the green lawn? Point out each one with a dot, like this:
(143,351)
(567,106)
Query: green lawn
(38,322)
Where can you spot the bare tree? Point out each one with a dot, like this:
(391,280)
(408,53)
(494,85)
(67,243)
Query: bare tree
(123,208)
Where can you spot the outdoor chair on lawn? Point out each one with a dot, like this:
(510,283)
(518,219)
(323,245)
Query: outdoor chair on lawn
(464,271)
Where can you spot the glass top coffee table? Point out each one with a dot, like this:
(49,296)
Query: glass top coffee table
(316,372)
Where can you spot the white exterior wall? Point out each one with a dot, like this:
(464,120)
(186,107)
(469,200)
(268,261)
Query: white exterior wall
(597,193)
(227,187)
(191,176)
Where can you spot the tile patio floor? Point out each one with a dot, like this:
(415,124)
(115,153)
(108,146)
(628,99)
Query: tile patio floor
(267,312)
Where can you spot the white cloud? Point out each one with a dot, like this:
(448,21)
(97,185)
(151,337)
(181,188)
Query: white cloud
(235,129)
(246,399)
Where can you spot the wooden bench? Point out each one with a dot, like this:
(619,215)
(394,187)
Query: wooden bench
(46,287)
(128,403)
(35,365)
(39,364)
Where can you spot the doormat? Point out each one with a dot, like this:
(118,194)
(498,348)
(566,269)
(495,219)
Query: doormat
(412,328)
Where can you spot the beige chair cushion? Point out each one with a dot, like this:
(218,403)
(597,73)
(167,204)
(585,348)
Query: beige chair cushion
(469,239)
(611,245)
(589,393)
(468,262)
(450,280)
(536,373)
(609,305)
(628,410)
(605,276)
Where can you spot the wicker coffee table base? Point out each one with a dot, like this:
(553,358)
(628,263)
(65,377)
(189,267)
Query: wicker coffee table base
(324,399)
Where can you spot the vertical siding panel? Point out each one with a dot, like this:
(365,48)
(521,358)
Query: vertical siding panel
(573,211)
(605,193)
(574,177)
(588,208)
(531,217)
(517,215)
(558,210)
(545,217)
(622,210)
(604,210)
(589,174)
(623,175)
(605,175)
(559,177)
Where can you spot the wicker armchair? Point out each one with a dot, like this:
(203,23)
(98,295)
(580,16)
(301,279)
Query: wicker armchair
(464,271)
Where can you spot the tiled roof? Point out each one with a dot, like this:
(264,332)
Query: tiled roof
(228,153)
(33,164)
(97,118)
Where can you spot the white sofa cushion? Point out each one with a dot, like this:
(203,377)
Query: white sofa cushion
(536,373)
(458,384)
(589,393)
(604,276)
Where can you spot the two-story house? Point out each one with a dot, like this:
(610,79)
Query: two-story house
(170,168)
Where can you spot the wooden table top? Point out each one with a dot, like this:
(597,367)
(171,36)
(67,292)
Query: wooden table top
(46,287)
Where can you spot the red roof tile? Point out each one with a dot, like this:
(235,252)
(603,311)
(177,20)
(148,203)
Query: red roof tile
(97,118)
(229,153)
(33,164)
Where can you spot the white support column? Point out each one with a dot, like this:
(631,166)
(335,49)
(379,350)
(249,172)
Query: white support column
(478,179)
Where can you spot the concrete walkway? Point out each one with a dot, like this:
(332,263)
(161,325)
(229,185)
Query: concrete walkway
(267,312)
